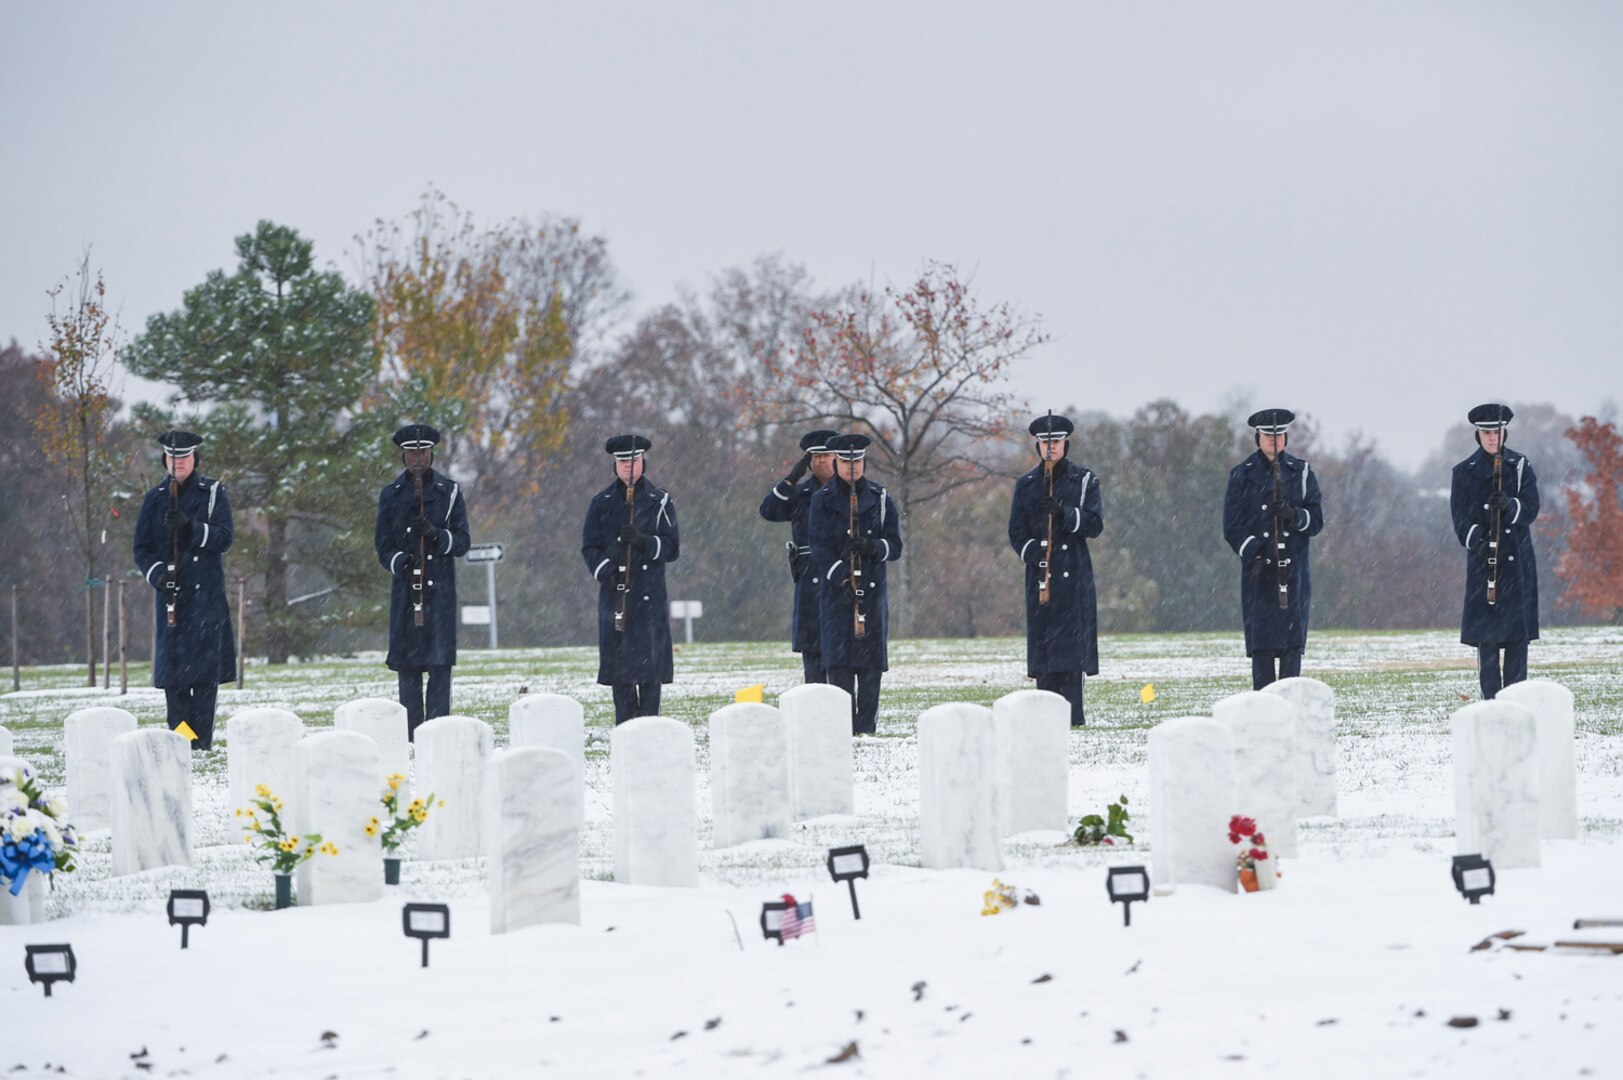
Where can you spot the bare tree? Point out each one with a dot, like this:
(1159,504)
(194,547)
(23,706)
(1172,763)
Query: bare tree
(923,370)
(74,426)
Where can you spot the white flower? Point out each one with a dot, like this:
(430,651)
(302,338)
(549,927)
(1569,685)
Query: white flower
(57,808)
(12,799)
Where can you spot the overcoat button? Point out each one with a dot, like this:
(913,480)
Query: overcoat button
(645,566)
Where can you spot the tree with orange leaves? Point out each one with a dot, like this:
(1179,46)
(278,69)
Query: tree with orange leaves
(1592,566)
(922,370)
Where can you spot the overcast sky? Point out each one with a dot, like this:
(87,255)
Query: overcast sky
(1378,214)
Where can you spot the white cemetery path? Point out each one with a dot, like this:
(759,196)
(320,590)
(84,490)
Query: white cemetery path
(1364,929)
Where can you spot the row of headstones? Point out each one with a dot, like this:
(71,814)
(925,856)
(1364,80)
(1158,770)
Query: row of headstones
(1270,755)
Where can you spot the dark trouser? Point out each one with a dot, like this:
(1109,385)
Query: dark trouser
(1487,663)
(1262,666)
(195,705)
(813,663)
(411,695)
(862,683)
(1068,685)
(632,700)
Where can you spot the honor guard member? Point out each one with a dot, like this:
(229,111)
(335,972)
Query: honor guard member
(1055,512)
(854,533)
(183,530)
(1270,512)
(790,500)
(1494,499)
(422,529)
(629,536)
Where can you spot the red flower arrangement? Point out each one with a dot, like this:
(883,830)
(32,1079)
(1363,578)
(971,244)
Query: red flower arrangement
(1254,849)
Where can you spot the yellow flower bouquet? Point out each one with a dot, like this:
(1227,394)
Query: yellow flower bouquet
(400,822)
(281,850)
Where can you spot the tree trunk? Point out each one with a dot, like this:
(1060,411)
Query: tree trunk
(902,609)
(90,632)
(276,636)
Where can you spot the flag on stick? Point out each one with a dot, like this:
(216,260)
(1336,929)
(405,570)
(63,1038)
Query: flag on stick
(797,919)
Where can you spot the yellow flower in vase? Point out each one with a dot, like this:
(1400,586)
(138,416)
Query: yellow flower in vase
(371,827)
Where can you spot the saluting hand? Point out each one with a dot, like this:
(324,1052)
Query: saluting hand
(799,470)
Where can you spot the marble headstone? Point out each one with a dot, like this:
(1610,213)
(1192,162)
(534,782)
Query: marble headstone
(656,817)
(1191,800)
(1315,734)
(1551,706)
(553,722)
(384,722)
(958,788)
(335,793)
(452,752)
(259,750)
(1264,764)
(1033,760)
(818,718)
(749,774)
(87,737)
(152,800)
(533,838)
(1496,774)
(5,742)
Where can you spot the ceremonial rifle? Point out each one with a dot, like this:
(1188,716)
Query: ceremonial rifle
(1281,563)
(172,584)
(418,595)
(859,625)
(625,571)
(1045,587)
(1498,514)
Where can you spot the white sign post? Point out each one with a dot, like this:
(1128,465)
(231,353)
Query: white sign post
(687,611)
(490,555)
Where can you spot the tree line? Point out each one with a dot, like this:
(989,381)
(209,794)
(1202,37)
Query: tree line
(514,341)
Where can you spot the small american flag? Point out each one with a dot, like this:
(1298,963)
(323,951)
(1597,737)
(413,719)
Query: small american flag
(797,919)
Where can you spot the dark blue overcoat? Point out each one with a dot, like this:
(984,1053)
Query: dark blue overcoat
(201,647)
(793,504)
(432,644)
(1248,521)
(1063,634)
(831,571)
(641,653)
(1515,616)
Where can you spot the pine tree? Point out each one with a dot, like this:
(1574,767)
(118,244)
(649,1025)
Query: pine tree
(279,355)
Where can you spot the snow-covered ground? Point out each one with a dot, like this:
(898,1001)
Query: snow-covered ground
(1353,967)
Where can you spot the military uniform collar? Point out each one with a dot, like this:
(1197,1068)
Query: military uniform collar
(1286,461)
(1481,461)
(436,480)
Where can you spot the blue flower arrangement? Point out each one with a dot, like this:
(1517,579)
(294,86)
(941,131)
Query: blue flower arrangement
(35,836)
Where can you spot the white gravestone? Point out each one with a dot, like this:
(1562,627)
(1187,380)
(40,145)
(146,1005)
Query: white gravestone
(1191,801)
(451,755)
(1551,706)
(87,737)
(1496,795)
(532,833)
(152,800)
(259,750)
(749,774)
(818,718)
(335,794)
(656,817)
(958,788)
(6,744)
(384,722)
(1033,760)
(1264,764)
(553,722)
(1315,734)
